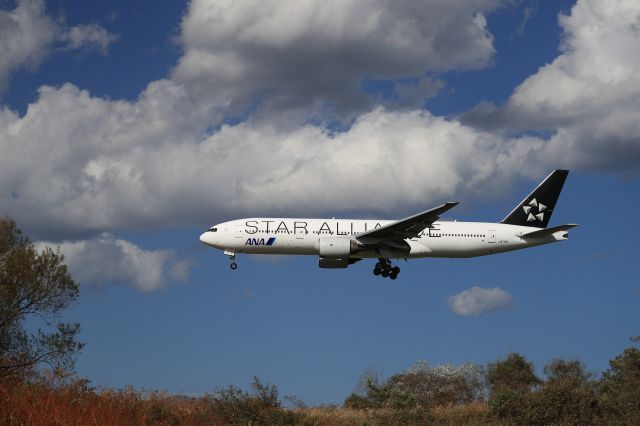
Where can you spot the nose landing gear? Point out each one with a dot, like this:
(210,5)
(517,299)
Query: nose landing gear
(386,269)
(232,258)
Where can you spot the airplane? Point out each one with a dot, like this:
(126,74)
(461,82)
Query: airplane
(339,243)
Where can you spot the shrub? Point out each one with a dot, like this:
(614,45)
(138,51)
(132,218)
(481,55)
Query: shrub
(514,372)
(620,388)
(560,402)
(235,406)
(422,386)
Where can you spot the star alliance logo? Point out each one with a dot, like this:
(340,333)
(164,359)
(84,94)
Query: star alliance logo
(529,210)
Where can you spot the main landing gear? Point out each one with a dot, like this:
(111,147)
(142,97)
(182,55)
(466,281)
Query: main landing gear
(232,258)
(386,269)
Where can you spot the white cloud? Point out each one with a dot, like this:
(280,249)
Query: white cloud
(105,260)
(589,95)
(28,36)
(478,300)
(313,55)
(91,36)
(75,164)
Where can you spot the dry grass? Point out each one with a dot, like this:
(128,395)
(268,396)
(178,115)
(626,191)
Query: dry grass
(40,404)
(74,404)
(472,414)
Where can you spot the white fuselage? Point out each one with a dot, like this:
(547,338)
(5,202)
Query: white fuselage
(302,236)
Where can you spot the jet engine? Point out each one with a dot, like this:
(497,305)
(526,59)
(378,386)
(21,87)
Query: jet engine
(334,252)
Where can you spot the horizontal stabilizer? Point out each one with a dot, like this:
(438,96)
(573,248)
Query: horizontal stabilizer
(548,231)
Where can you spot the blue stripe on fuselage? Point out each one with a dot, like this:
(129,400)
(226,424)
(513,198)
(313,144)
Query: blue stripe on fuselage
(270,241)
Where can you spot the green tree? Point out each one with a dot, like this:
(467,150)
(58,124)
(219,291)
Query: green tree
(234,406)
(33,286)
(512,373)
(560,402)
(566,370)
(620,388)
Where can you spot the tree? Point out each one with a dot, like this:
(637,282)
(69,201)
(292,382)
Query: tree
(513,373)
(620,388)
(33,285)
(566,370)
(421,386)
(559,402)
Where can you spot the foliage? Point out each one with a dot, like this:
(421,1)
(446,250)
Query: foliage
(571,370)
(560,402)
(567,398)
(422,386)
(33,285)
(39,401)
(235,406)
(512,373)
(620,388)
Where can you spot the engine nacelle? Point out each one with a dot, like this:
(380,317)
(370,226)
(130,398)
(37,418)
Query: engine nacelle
(334,252)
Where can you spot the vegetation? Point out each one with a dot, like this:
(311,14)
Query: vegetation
(620,388)
(507,392)
(33,286)
(512,374)
(421,387)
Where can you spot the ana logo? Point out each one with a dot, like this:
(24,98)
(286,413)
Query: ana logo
(530,211)
(260,242)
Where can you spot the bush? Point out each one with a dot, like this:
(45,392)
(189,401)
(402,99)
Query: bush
(234,406)
(514,372)
(620,388)
(560,402)
(422,386)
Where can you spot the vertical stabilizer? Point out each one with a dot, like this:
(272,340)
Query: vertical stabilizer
(536,209)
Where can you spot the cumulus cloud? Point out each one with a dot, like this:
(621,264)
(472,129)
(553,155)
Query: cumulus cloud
(314,55)
(105,260)
(478,300)
(589,96)
(76,165)
(89,37)
(28,35)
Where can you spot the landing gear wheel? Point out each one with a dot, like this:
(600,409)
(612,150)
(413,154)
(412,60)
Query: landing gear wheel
(234,265)
(376,271)
(395,270)
(385,272)
(393,275)
(380,265)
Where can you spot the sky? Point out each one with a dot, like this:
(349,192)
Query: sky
(126,129)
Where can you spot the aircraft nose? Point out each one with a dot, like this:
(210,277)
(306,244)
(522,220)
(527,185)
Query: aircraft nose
(206,238)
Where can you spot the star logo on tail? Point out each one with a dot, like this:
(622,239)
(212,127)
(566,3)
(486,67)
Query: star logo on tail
(530,211)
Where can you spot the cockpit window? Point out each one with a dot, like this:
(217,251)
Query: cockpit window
(213,229)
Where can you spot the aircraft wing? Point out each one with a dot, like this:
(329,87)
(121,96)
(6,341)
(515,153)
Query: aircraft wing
(409,227)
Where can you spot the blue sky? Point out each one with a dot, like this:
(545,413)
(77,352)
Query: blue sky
(127,129)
